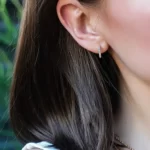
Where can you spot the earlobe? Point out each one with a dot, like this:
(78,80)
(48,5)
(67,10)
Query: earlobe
(104,45)
(76,19)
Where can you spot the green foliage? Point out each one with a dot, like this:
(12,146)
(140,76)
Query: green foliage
(10,27)
(8,39)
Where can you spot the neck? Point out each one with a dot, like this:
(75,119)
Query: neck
(133,121)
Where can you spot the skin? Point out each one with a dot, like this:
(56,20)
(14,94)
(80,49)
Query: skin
(129,34)
(122,25)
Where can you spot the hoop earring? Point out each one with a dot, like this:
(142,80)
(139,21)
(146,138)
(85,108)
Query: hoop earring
(99,52)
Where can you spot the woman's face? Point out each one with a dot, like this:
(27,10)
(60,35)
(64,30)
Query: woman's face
(127,24)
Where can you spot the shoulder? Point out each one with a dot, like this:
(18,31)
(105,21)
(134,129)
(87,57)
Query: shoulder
(39,146)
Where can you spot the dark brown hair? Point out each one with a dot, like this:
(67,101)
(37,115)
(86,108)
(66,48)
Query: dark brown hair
(61,93)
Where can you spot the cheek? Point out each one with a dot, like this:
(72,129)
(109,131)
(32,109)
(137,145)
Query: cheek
(128,27)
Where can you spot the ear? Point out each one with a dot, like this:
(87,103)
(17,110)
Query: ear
(78,20)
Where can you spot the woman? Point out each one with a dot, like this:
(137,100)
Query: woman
(64,94)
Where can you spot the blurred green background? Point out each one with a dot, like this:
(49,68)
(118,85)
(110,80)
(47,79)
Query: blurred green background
(10,14)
